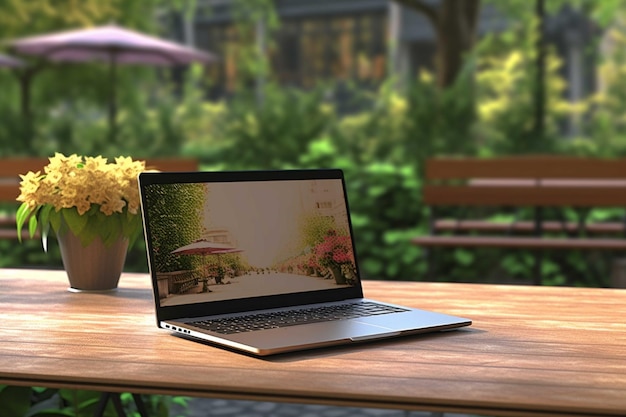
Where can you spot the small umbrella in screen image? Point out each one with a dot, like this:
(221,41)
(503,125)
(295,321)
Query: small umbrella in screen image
(201,247)
(204,248)
(111,44)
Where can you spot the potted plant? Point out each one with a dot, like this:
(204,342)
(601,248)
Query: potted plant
(334,252)
(92,207)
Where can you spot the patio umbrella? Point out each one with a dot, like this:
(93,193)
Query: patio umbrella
(204,247)
(10,62)
(112,44)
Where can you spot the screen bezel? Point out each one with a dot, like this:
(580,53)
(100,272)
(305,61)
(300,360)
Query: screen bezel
(252,303)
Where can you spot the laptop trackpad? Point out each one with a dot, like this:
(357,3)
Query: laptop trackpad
(314,333)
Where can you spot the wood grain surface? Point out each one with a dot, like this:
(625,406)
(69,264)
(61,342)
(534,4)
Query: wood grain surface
(531,351)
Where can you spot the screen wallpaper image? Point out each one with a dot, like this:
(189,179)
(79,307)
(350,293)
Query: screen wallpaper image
(222,241)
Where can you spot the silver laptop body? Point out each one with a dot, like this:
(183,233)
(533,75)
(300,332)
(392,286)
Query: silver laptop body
(264,262)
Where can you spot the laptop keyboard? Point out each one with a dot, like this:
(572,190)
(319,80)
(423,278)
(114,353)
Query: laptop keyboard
(279,319)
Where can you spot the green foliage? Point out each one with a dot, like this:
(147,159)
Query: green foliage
(253,64)
(57,87)
(15,401)
(93,224)
(178,206)
(359,136)
(38,16)
(81,125)
(385,207)
(274,134)
(314,228)
(506,89)
(11,127)
(48,402)
(382,146)
(606,127)
(441,122)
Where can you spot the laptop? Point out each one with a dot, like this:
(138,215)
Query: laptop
(264,262)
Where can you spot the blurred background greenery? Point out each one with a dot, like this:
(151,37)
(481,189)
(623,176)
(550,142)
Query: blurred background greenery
(373,87)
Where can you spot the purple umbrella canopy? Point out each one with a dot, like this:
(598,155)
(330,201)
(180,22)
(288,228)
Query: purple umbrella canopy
(112,44)
(109,43)
(8,61)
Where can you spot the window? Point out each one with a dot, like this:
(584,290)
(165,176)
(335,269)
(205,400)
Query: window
(305,50)
(324,205)
(350,47)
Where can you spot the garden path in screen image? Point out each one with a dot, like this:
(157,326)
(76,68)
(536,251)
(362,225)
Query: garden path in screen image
(254,285)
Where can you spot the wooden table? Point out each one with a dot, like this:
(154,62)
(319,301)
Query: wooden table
(531,350)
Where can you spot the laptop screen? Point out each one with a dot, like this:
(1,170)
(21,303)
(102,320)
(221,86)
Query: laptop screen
(216,241)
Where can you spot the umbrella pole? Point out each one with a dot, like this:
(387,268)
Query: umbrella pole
(112,96)
(205,278)
(25,78)
(220,270)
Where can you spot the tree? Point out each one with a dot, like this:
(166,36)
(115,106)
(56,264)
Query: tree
(455,24)
(43,85)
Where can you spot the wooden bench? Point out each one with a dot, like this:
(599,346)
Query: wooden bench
(176,282)
(532,186)
(11,168)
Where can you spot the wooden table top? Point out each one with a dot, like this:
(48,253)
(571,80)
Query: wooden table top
(530,351)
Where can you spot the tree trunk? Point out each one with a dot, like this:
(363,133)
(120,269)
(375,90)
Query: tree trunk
(455,23)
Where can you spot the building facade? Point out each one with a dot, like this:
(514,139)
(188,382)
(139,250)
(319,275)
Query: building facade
(360,42)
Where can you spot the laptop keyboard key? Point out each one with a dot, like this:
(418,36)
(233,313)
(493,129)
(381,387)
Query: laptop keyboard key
(294,317)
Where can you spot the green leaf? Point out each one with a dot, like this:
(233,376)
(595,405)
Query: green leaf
(82,403)
(464,257)
(44,215)
(101,226)
(22,213)
(111,230)
(75,221)
(20,218)
(44,225)
(133,228)
(54,413)
(89,235)
(32,225)
(162,410)
(55,220)
(15,401)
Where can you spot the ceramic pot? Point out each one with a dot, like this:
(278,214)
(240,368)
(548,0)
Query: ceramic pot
(94,267)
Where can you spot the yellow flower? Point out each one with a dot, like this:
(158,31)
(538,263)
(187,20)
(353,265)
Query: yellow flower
(81,182)
(74,192)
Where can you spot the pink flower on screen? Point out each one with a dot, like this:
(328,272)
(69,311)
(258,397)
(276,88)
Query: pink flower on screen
(335,249)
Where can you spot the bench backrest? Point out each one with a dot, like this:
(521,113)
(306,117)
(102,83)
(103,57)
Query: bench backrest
(525,181)
(11,168)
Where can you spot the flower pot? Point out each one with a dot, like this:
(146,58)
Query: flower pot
(94,267)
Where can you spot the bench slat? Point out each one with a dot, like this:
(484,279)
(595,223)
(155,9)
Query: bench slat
(533,182)
(537,166)
(12,234)
(521,242)
(526,226)
(458,195)
(12,167)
